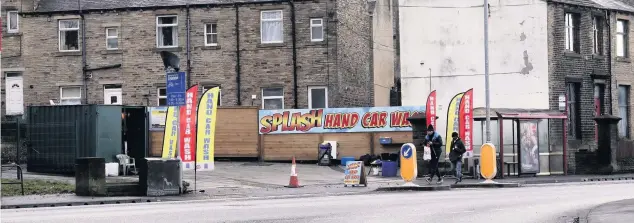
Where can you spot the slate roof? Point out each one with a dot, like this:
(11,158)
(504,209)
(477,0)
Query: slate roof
(619,5)
(72,5)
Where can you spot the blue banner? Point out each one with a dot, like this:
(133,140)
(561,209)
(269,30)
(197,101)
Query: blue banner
(176,88)
(365,119)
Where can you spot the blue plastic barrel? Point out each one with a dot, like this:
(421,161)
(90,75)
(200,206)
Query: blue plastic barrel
(389,169)
(345,159)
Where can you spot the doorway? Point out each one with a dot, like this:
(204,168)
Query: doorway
(112,94)
(134,139)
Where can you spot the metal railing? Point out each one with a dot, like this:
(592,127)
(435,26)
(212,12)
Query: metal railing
(18,175)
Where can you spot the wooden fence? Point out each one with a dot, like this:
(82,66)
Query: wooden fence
(237,136)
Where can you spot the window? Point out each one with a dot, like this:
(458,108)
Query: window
(211,34)
(69,35)
(624,111)
(316,30)
(597,29)
(574,118)
(317,97)
(621,38)
(161,95)
(70,95)
(273,98)
(166,31)
(271,27)
(13,24)
(112,38)
(206,87)
(572,32)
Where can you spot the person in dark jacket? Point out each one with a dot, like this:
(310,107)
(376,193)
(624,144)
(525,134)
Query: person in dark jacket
(455,156)
(434,141)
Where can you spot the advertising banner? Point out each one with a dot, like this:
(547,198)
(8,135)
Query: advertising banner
(353,173)
(431,107)
(466,122)
(170,137)
(453,120)
(529,147)
(329,120)
(187,139)
(206,130)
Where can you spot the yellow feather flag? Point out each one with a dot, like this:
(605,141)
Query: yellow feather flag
(206,129)
(170,134)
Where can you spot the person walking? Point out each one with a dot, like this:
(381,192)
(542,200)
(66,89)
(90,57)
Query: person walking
(434,141)
(455,156)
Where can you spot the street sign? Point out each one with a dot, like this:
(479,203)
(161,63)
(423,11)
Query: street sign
(488,165)
(409,169)
(176,89)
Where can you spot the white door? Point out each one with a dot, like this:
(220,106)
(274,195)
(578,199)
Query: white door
(14,94)
(113,96)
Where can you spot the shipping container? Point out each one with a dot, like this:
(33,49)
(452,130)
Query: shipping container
(57,135)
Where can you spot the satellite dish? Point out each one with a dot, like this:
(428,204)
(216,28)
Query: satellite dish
(170,60)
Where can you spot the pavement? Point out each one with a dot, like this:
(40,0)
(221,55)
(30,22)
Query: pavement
(613,212)
(251,179)
(554,203)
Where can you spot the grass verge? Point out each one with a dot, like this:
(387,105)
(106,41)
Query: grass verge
(36,187)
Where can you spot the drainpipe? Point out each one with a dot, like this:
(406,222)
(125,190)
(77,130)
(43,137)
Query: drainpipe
(188,51)
(609,56)
(83,53)
(294,36)
(238,54)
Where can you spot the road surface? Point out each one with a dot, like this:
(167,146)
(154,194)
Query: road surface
(555,203)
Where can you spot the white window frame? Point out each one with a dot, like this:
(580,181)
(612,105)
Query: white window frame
(262,21)
(272,97)
(310,95)
(321,25)
(62,99)
(60,30)
(210,32)
(112,37)
(622,51)
(159,96)
(624,124)
(172,25)
(210,86)
(17,22)
(597,35)
(570,31)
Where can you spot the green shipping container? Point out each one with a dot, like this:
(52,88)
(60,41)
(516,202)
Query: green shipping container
(57,135)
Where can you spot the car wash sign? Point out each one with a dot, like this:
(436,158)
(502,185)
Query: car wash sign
(332,120)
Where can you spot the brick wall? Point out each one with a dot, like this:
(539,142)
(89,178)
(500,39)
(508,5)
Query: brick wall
(355,75)
(584,68)
(261,65)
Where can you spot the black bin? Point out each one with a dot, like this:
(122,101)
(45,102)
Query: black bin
(90,176)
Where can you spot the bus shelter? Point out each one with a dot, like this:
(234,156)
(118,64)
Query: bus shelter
(528,141)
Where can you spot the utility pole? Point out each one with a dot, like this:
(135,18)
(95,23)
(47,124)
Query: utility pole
(487,97)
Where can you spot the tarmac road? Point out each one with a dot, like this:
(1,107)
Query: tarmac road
(552,203)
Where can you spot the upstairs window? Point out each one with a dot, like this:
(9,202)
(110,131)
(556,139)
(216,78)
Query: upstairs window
(597,33)
(112,38)
(572,32)
(211,34)
(316,30)
(166,31)
(271,27)
(13,25)
(69,35)
(622,38)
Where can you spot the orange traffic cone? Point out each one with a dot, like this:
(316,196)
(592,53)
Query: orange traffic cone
(294,182)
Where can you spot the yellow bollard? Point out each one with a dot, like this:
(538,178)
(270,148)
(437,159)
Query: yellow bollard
(488,164)
(409,168)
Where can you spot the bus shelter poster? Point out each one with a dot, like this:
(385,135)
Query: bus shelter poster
(331,120)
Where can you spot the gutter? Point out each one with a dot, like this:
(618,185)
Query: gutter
(188,51)
(238,68)
(609,56)
(104,67)
(294,36)
(209,5)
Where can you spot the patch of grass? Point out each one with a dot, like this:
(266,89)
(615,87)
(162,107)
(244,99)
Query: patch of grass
(36,187)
